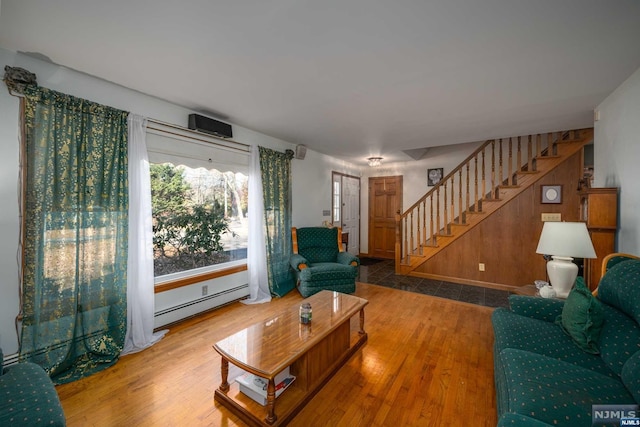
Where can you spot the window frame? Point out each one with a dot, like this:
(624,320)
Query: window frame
(183,135)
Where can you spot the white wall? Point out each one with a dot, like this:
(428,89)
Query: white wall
(312,187)
(9,222)
(311,180)
(617,155)
(414,178)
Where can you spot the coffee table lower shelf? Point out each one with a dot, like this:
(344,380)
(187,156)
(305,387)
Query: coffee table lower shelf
(289,403)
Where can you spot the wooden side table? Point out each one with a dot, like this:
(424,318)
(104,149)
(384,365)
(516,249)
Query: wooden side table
(345,240)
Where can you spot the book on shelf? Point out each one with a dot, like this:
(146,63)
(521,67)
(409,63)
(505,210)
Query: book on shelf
(256,387)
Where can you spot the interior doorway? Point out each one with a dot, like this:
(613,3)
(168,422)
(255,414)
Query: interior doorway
(385,199)
(346,208)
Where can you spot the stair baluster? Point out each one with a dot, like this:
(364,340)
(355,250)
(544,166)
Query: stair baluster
(493,168)
(468,196)
(510,167)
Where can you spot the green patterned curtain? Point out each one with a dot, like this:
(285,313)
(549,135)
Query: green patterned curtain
(75,234)
(275,168)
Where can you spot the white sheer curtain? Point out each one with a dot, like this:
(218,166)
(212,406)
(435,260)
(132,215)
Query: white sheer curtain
(140,286)
(256,246)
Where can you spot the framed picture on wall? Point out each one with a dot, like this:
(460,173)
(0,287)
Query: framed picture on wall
(434,176)
(551,194)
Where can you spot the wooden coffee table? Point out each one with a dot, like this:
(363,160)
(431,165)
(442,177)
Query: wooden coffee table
(313,352)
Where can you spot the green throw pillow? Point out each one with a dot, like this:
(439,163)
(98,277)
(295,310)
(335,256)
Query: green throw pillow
(582,318)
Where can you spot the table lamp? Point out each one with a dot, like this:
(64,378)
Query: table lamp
(564,241)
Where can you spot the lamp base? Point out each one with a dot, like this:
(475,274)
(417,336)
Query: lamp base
(562,274)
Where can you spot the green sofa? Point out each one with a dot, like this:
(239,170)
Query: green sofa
(319,262)
(28,397)
(543,377)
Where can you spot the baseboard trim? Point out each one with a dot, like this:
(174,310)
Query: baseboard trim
(462,281)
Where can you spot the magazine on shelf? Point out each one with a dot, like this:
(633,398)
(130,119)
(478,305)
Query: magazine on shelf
(256,387)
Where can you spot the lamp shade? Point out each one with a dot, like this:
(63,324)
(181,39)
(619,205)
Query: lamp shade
(566,239)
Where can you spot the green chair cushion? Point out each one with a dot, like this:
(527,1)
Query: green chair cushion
(328,271)
(582,318)
(553,391)
(620,288)
(29,398)
(619,340)
(516,420)
(542,337)
(631,375)
(536,307)
(318,244)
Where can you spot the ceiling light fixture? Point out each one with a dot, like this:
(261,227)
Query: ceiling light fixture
(375,161)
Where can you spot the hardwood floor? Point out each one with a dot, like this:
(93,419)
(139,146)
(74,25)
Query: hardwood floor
(428,362)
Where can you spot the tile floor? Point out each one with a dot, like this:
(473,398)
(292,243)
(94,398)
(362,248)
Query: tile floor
(383,274)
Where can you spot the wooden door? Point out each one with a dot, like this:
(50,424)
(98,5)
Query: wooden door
(385,199)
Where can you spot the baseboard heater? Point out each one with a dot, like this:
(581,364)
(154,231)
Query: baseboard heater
(182,311)
(10,359)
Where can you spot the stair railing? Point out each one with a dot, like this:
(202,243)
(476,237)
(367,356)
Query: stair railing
(474,182)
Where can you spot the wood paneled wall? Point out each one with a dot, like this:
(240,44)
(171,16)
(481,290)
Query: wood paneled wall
(506,242)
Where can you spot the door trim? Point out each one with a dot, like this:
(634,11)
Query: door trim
(341,175)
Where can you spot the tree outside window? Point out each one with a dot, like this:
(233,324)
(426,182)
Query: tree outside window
(199,217)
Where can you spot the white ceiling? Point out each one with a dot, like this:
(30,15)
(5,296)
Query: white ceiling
(350,78)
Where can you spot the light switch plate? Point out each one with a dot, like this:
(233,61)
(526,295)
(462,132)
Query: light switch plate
(551,217)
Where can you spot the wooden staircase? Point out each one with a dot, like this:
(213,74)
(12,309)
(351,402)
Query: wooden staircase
(490,177)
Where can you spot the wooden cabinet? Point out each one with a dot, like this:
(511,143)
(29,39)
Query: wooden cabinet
(599,209)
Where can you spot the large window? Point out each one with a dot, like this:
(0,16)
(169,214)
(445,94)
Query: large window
(199,217)
(199,196)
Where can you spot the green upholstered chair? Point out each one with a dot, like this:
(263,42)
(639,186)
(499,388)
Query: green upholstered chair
(319,261)
(28,397)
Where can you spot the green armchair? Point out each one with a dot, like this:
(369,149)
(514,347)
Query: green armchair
(28,397)
(320,263)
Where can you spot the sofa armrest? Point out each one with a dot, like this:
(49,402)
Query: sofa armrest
(348,259)
(536,307)
(298,262)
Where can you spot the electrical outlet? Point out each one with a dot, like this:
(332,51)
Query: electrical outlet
(205,290)
(481,266)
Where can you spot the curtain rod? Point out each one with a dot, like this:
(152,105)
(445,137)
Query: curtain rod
(199,136)
(194,134)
